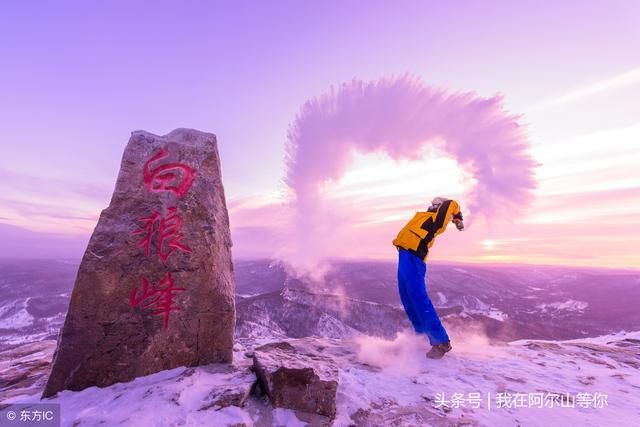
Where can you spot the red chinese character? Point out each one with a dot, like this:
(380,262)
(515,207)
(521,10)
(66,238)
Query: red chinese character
(174,177)
(159,298)
(168,231)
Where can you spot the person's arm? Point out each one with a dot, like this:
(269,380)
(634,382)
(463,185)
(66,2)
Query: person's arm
(448,211)
(456,215)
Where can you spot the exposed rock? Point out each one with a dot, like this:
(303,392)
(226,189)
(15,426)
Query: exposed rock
(298,376)
(155,287)
(629,342)
(23,369)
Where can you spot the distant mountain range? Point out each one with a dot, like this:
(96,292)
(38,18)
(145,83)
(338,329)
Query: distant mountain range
(505,302)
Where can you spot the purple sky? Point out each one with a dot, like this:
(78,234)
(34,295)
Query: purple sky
(77,77)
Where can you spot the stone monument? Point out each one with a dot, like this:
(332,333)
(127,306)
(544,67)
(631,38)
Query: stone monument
(155,288)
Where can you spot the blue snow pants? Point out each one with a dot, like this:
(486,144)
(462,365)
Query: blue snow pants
(416,302)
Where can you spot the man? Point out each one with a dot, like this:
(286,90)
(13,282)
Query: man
(413,243)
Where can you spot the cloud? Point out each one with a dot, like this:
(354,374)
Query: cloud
(20,243)
(49,204)
(48,186)
(619,81)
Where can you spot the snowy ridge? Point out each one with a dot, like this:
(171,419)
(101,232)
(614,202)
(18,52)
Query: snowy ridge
(385,382)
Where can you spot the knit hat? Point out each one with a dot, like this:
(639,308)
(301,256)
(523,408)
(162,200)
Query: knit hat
(437,201)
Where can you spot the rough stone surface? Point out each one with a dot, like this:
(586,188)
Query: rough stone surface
(298,376)
(25,368)
(166,228)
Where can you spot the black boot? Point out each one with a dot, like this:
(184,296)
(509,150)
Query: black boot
(437,351)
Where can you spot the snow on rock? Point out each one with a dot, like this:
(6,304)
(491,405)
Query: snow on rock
(19,319)
(497,315)
(206,395)
(493,313)
(386,382)
(23,369)
(442,299)
(330,327)
(569,305)
(266,329)
(298,375)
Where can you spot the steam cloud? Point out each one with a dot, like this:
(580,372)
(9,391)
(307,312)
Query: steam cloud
(399,116)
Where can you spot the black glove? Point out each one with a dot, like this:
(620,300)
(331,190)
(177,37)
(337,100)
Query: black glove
(459,225)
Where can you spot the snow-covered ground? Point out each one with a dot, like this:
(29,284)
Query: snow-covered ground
(492,313)
(20,317)
(18,324)
(501,385)
(569,305)
(528,383)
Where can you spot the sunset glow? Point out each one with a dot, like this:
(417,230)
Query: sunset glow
(69,104)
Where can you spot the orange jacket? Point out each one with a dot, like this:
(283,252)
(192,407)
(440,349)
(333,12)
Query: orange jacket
(418,234)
